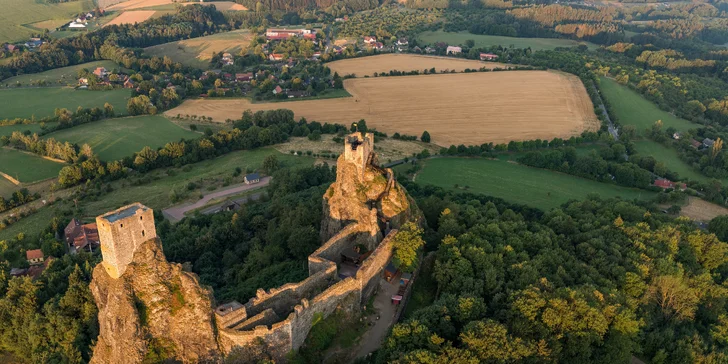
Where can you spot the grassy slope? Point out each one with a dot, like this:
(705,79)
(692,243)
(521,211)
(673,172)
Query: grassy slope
(670,158)
(633,109)
(66,75)
(6,188)
(27,167)
(16,14)
(197,52)
(516,183)
(156,194)
(493,40)
(41,102)
(114,139)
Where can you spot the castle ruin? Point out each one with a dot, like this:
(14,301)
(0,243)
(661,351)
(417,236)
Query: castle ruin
(362,211)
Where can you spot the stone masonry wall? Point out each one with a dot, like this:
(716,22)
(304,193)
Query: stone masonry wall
(121,234)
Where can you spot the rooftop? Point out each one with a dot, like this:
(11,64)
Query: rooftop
(123,212)
(34,254)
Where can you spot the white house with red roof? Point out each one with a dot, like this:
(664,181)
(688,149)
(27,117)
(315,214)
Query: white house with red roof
(488,57)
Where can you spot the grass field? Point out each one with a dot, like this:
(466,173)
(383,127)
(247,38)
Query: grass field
(516,183)
(114,139)
(26,167)
(701,210)
(461,108)
(404,62)
(42,101)
(60,76)
(157,4)
(670,158)
(6,188)
(633,109)
(197,52)
(18,16)
(536,44)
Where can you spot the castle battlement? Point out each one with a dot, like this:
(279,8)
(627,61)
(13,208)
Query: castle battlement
(121,231)
(357,149)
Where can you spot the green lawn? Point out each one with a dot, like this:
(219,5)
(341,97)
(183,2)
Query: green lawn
(536,44)
(516,183)
(63,76)
(20,18)
(114,139)
(670,158)
(633,109)
(41,102)
(26,167)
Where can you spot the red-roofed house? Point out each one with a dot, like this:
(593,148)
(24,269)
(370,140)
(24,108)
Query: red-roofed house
(101,72)
(277,90)
(370,40)
(695,144)
(81,236)
(244,77)
(34,256)
(666,183)
(275,57)
(488,57)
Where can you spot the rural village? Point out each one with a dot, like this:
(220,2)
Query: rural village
(363,181)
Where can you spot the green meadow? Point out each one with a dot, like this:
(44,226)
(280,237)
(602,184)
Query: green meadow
(114,139)
(516,183)
(6,188)
(26,167)
(9,129)
(633,109)
(19,19)
(42,101)
(63,76)
(670,158)
(536,44)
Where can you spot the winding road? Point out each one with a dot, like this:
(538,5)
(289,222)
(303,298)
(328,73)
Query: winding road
(177,213)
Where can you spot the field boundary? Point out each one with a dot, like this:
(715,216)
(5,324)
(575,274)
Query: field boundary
(11,179)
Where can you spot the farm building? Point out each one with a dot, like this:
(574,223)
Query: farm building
(81,237)
(277,90)
(488,57)
(74,25)
(666,183)
(370,39)
(244,77)
(101,72)
(402,42)
(34,256)
(453,50)
(278,34)
(707,142)
(251,178)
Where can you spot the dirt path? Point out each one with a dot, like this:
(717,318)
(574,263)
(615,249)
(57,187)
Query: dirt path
(372,339)
(177,213)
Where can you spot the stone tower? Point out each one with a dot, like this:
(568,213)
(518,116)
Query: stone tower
(121,232)
(357,148)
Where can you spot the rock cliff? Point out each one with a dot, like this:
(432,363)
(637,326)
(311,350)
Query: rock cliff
(154,310)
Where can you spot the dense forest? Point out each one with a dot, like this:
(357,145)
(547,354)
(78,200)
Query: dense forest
(595,281)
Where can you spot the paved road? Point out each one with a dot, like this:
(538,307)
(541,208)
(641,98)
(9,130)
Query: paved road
(177,213)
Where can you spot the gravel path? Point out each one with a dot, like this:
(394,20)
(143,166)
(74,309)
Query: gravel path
(177,213)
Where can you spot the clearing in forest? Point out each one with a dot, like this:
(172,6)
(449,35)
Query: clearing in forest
(27,167)
(461,108)
(197,52)
(131,17)
(701,210)
(367,66)
(517,183)
(114,139)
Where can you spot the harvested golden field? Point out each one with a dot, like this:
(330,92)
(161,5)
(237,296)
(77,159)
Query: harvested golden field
(197,52)
(141,4)
(701,210)
(460,108)
(364,66)
(131,17)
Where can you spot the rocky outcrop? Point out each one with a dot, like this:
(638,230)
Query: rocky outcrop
(154,310)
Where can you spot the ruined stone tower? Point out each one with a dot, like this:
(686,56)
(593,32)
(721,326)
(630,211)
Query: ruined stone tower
(358,146)
(121,232)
